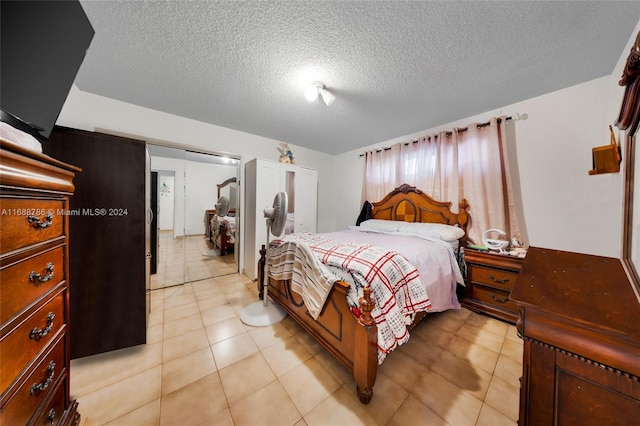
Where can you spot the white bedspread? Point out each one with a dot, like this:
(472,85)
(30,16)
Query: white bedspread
(434,260)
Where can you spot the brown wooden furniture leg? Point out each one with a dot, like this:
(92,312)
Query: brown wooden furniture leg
(365,362)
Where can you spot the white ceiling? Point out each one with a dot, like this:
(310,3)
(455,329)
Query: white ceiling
(395,67)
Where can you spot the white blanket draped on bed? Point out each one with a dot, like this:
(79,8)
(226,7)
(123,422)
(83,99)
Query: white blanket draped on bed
(289,260)
(435,260)
(395,283)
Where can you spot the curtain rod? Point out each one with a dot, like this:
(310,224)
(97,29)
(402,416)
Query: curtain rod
(460,129)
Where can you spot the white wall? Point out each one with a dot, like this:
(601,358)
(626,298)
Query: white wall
(91,112)
(564,207)
(202,192)
(166,203)
(177,167)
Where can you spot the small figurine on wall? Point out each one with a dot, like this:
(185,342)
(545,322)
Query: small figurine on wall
(286,156)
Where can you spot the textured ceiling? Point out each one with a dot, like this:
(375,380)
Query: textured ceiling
(395,67)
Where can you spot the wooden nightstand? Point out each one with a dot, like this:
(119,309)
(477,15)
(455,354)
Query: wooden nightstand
(490,278)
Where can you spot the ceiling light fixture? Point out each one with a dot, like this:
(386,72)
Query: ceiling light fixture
(315,90)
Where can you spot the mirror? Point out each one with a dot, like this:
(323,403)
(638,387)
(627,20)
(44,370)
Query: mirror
(167,252)
(628,120)
(290,185)
(222,228)
(188,186)
(229,189)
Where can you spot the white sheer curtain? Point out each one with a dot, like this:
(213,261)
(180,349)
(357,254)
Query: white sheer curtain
(449,166)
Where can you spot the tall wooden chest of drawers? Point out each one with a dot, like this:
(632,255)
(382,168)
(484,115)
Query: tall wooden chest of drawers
(34,289)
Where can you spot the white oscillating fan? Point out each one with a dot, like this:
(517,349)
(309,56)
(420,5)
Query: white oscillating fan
(222,206)
(262,313)
(222,209)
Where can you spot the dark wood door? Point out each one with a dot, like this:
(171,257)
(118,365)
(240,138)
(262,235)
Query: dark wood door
(107,247)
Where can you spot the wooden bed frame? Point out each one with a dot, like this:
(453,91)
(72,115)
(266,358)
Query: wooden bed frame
(353,341)
(224,246)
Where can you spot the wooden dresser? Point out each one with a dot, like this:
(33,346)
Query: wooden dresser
(34,301)
(579,321)
(490,278)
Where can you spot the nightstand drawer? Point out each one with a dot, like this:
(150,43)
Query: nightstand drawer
(492,277)
(495,297)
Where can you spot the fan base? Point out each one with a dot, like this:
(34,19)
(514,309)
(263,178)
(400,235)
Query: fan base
(258,315)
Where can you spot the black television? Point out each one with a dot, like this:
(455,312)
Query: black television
(43,44)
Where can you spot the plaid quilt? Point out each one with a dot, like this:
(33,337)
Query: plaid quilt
(394,282)
(226,223)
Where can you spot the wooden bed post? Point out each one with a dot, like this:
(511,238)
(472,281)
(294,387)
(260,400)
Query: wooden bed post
(365,360)
(261,263)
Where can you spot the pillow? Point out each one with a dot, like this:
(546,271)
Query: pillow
(381,225)
(433,230)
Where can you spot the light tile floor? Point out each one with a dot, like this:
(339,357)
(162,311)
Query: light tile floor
(202,366)
(183,260)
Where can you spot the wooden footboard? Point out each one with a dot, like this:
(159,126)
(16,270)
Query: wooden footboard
(352,341)
(224,243)
(220,239)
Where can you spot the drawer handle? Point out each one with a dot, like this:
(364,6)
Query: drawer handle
(36,333)
(52,417)
(499,299)
(496,280)
(36,388)
(33,275)
(36,223)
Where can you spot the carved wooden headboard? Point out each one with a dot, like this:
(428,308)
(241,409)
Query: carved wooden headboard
(225,183)
(409,204)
